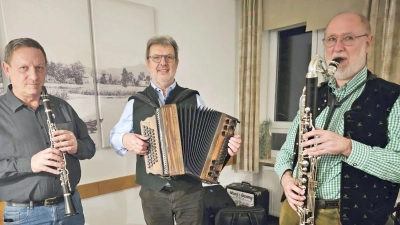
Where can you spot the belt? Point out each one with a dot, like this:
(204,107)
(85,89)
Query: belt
(168,189)
(326,204)
(46,202)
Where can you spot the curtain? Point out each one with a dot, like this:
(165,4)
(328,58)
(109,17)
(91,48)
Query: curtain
(384,55)
(249,84)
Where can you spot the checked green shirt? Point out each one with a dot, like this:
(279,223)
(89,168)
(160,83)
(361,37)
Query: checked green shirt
(380,162)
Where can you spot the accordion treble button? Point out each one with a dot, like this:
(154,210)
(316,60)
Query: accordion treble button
(223,133)
(212,168)
(210,174)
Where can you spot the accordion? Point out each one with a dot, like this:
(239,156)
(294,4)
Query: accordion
(187,140)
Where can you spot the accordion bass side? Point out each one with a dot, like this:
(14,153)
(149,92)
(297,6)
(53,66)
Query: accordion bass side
(187,140)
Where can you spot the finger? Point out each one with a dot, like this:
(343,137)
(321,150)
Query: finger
(142,137)
(294,207)
(142,152)
(313,133)
(233,147)
(230,152)
(295,191)
(55,164)
(53,151)
(295,202)
(66,149)
(317,150)
(55,158)
(311,142)
(237,138)
(233,143)
(141,144)
(50,170)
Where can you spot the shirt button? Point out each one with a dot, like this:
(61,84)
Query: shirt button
(354,164)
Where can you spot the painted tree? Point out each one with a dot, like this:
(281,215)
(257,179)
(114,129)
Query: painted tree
(77,72)
(125,78)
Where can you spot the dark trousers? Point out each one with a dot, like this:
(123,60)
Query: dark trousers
(162,207)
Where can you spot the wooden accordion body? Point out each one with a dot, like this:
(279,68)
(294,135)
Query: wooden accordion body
(187,140)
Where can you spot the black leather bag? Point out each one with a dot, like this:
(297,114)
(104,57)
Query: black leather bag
(215,198)
(242,215)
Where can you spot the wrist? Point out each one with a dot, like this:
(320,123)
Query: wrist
(348,148)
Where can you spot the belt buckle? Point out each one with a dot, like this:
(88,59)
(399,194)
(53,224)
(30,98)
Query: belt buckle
(51,201)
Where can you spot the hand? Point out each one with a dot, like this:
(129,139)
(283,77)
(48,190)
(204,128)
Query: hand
(65,141)
(234,144)
(293,193)
(46,160)
(135,143)
(328,143)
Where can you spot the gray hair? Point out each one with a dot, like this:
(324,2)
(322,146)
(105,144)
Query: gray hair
(15,44)
(164,40)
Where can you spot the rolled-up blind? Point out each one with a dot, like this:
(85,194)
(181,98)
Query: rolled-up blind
(314,13)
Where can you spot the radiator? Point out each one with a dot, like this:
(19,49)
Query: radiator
(271,182)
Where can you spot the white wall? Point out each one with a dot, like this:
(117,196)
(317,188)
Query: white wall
(207,34)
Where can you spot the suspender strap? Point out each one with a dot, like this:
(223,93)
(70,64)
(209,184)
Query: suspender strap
(333,103)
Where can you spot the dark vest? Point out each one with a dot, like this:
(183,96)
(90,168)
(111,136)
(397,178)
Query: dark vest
(366,199)
(143,110)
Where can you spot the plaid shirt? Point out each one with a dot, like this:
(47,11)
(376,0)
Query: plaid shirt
(380,162)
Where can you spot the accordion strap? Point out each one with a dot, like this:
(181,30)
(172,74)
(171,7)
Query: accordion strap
(145,99)
(184,95)
(178,98)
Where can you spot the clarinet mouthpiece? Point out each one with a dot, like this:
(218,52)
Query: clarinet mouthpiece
(333,65)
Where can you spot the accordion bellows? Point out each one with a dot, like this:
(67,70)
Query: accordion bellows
(187,140)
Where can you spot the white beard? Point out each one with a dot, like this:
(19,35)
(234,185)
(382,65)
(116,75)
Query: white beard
(348,72)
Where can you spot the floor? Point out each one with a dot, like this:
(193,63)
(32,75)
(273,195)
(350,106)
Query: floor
(275,221)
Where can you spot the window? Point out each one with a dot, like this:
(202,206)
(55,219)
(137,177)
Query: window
(286,54)
(294,54)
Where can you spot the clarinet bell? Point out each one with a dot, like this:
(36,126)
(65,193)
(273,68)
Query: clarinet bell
(69,206)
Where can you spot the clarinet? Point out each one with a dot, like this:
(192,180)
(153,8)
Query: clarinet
(306,176)
(66,187)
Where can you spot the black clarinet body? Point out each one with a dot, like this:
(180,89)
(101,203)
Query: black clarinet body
(307,166)
(66,188)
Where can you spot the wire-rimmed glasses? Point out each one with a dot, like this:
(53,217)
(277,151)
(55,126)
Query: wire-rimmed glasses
(157,58)
(347,40)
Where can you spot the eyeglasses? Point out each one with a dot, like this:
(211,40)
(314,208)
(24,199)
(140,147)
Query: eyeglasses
(157,58)
(345,40)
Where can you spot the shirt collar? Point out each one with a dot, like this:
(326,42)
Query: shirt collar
(169,89)
(350,85)
(13,102)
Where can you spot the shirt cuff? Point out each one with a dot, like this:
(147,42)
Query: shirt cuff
(23,165)
(282,170)
(359,155)
(117,145)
